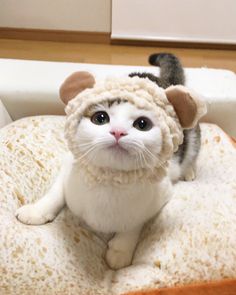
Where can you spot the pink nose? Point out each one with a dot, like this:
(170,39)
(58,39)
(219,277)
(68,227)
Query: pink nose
(117,133)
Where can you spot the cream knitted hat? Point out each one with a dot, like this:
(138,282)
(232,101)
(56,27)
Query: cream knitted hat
(176,107)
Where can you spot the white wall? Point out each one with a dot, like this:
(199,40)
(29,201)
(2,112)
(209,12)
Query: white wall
(172,20)
(164,20)
(76,15)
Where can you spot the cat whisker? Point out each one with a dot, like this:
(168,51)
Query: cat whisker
(91,147)
(146,164)
(86,153)
(98,142)
(142,150)
(155,157)
(140,160)
(139,147)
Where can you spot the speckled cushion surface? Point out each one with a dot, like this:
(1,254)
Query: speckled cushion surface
(192,240)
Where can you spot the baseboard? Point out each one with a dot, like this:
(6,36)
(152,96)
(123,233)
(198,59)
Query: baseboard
(55,35)
(98,37)
(174,44)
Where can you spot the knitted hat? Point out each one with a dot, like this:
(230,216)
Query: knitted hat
(176,107)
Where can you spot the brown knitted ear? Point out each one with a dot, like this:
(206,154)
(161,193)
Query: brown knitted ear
(74,84)
(184,103)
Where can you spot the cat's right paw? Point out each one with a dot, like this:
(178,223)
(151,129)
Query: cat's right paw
(32,215)
(190,174)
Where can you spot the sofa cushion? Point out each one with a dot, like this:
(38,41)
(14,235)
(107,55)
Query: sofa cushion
(192,240)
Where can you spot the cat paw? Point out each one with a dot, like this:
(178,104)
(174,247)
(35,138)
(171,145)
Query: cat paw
(117,259)
(190,174)
(30,214)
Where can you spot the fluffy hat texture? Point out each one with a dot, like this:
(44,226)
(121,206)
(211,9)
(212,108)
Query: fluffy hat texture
(144,94)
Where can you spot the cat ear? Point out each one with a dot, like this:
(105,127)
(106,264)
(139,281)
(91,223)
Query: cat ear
(74,84)
(188,105)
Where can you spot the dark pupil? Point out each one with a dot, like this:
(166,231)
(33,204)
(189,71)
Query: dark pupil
(101,118)
(142,124)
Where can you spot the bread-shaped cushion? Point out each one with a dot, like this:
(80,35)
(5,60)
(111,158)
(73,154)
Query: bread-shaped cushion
(55,257)
(192,240)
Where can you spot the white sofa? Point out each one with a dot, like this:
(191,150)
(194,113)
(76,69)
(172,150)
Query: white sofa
(31,87)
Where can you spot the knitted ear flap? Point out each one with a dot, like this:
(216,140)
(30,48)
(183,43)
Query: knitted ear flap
(74,84)
(188,105)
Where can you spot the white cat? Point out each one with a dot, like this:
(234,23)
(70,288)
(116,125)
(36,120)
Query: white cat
(120,137)
(112,136)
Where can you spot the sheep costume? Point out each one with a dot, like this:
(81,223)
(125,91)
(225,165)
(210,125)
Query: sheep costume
(176,107)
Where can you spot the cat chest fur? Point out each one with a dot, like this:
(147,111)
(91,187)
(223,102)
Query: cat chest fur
(108,208)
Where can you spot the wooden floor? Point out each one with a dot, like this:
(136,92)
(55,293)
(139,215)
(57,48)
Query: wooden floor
(112,54)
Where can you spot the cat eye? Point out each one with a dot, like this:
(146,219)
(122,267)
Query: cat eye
(142,124)
(100,118)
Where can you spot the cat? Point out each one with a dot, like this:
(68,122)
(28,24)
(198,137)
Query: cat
(111,136)
(183,163)
(107,208)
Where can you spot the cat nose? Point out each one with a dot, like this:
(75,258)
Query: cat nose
(118,133)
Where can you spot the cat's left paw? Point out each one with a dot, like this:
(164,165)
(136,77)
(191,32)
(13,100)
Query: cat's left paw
(117,259)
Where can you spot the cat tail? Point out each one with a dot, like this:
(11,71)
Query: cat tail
(172,72)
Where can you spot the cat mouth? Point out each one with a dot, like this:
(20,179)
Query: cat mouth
(117,148)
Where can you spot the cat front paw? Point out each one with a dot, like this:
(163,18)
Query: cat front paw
(32,215)
(190,174)
(117,259)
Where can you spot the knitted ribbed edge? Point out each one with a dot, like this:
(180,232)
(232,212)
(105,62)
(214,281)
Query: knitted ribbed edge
(143,94)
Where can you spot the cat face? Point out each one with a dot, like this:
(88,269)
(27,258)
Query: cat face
(120,136)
